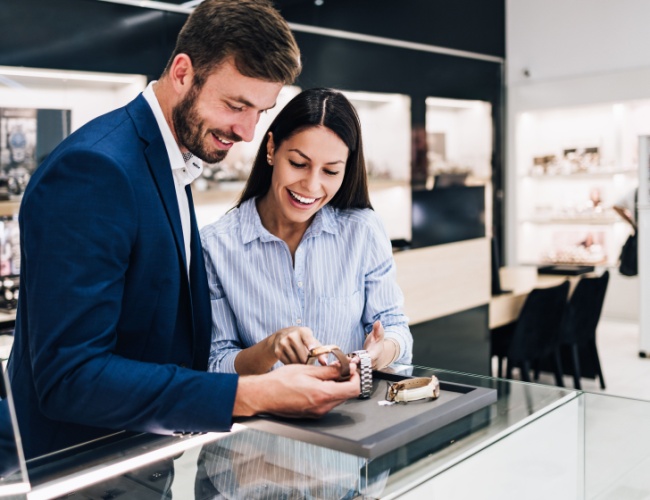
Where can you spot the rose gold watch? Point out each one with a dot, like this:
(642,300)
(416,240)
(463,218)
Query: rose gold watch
(336,351)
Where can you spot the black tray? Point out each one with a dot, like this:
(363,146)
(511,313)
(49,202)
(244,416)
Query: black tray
(366,429)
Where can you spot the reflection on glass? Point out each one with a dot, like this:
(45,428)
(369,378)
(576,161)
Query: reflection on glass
(13,475)
(257,465)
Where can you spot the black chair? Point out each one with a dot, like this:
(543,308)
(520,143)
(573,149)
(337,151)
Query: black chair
(578,331)
(535,334)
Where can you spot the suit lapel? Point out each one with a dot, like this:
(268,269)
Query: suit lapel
(197,288)
(200,294)
(158,162)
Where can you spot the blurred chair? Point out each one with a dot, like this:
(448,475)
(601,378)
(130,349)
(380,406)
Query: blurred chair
(535,335)
(578,330)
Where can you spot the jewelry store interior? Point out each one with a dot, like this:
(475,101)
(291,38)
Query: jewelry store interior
(507,143)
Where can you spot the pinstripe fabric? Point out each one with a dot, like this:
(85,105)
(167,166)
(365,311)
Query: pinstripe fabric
(342,281)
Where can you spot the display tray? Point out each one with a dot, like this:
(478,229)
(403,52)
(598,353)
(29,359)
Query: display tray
(565,269)
(366,429)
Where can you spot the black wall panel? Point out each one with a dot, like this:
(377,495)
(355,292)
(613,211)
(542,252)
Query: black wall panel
(103,36)
(86,35)
(471,25)
(459,342)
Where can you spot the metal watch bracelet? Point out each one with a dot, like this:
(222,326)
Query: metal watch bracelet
(364,362)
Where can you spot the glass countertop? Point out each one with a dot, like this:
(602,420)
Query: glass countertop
(534,441)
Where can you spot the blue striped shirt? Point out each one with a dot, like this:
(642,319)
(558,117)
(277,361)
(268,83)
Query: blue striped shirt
(342,281)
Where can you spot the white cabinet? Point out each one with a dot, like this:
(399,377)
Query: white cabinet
(572,165)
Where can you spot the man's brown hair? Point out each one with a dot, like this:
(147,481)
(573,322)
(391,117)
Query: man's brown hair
(252,32)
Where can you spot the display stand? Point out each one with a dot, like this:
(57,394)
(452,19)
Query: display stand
(643,225)
(363,428)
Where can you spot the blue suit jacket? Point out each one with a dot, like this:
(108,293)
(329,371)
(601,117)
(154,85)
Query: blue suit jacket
(110,333)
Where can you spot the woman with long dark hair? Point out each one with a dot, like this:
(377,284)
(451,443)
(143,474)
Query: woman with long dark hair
(303,254)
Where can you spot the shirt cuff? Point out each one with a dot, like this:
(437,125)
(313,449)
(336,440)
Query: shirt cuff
(401,345)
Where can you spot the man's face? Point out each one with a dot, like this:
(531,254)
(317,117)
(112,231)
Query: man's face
(208,121)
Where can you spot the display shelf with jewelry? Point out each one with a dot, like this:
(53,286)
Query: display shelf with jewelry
(572,166)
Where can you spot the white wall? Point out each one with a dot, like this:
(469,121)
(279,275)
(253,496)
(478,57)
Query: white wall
(564,38)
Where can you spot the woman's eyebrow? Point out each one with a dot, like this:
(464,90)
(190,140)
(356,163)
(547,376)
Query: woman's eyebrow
(296,150)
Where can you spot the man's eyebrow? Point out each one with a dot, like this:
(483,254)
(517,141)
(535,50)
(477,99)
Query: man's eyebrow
(296,150)
(246,102)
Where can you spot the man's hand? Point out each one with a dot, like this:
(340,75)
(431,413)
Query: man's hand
(295,391)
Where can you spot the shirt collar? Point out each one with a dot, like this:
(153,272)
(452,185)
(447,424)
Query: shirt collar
(195,166)
(252,228)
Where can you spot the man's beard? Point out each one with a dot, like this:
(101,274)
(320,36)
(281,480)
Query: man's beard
(191,133)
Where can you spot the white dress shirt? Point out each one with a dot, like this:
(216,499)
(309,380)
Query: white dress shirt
(183,173)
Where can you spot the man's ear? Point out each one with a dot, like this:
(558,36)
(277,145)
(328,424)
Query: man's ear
(181,73)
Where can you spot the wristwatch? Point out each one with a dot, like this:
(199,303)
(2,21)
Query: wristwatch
(414,389)
(364,362)
(337,352)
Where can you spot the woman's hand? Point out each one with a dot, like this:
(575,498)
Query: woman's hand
(291,345)
(382,352)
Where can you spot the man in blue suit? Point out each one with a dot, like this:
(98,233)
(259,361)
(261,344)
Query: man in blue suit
(114,322)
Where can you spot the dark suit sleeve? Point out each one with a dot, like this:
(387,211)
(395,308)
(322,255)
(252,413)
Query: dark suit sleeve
(79,224)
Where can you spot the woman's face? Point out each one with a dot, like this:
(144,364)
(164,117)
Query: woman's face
(308,170)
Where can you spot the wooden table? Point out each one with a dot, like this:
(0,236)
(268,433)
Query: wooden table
(520,280)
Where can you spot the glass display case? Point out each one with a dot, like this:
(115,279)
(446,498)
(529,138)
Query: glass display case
(573,164)
(386,127)
(13,471)
(534,442)
(38,109)
(459,148)
(459,140)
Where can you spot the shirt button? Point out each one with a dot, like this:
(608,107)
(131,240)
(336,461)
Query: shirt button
(300,284)
(298,321)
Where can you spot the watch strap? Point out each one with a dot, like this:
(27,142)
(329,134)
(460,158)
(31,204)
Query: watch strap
(414,389)
(337,352)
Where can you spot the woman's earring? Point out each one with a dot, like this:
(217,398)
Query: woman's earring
(269,159)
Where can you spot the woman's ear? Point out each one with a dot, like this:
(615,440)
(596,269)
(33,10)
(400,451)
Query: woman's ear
(270,145)
(270,149)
